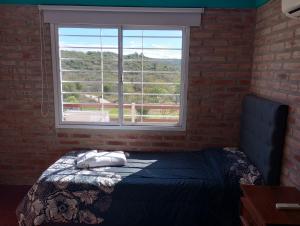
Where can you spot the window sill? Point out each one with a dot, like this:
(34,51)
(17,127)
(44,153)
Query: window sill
(117,127)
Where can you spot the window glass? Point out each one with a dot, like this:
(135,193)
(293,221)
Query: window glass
(141,87)
(89,74)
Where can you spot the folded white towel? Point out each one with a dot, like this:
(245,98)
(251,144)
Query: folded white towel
(96,158)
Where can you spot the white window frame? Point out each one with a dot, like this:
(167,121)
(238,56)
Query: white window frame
(59,123)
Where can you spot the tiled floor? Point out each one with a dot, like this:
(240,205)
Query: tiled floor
(10,196)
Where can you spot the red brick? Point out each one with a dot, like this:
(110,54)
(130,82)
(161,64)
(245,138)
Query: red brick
(175,137)
(278,78)
(116,143)
(276,47)
(212,42)
(279,26)
(140,144)
(296,55)
(220,58)
(283,56)
(291,66)
(62,135)
(69,142)
(81,135)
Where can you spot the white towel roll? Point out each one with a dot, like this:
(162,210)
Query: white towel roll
(96,158)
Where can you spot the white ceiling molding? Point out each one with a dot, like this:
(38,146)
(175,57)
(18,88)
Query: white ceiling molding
(121,15)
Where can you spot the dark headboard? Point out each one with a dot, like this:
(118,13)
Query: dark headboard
(263,125)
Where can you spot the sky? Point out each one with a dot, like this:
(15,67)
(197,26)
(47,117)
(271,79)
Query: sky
(165,44)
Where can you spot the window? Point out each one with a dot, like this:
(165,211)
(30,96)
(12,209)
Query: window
(120,67)
(121,77)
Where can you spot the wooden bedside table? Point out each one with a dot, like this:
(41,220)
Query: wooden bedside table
(258,206)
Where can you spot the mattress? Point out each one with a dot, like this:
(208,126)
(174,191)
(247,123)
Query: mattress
(180,188)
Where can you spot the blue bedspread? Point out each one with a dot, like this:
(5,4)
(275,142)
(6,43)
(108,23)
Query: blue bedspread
(152,189)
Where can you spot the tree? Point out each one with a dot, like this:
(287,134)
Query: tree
(72,99)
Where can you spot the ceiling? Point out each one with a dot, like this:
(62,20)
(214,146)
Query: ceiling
(147,3)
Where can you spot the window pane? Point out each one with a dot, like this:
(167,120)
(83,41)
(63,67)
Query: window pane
(132,77)
(73,53)
(79,64)
(109,42)
(110,55)
(76,41)
(81,87)
(162,43)
(166,114)
(111,106)
(81,75)
(166,77)
(130,54)
(132,42)
(67,31)
(78,31)
(151,32)
(109,32)
(131,102)
(170,66)
(88,42)
(110,76)
(152,76)
(89,73)
(165,33)
(90,107)
(75,97)
(160,98)
(90,113)
(132,87)
(110,87)
(132,66)
(132,33)
(162,54)
(161,88)
(110,65)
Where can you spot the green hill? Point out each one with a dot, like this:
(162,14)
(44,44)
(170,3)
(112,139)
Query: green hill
(86,66)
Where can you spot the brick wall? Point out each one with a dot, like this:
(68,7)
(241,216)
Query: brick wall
(219,76)
(276,75)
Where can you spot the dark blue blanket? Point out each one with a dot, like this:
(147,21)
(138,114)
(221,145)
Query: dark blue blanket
(153,189)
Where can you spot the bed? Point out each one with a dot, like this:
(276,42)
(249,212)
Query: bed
(167,189)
